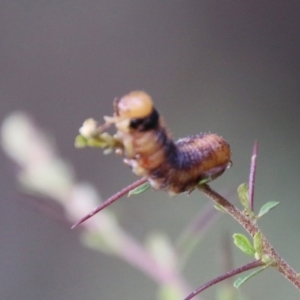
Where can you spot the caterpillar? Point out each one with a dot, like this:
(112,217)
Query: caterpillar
(150,151)
(148,148)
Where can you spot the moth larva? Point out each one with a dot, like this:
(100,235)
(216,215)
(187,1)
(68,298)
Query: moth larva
(147,147)
(151,152)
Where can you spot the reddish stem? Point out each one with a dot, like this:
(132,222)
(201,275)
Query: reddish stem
(252,175)
(111,200)
(252,265)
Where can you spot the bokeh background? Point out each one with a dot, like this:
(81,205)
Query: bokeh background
(230,67)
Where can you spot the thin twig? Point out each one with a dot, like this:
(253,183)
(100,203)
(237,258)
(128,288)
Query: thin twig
(252,175)
(229,208)
(247,267)
(111,200)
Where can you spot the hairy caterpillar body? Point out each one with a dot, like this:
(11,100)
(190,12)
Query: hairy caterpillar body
(149,150)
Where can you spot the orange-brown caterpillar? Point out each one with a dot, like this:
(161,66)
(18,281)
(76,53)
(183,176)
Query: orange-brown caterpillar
(149,150)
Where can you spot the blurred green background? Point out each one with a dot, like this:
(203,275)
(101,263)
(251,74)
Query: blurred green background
(230,67)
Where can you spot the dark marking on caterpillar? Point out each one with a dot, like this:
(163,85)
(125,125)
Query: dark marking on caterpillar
(147,123)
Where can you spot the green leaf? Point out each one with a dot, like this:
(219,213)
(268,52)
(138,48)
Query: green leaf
(220,208)
(140,189)
(266,208)
(258,245)
(243,244)
(243,193)
(267,260)
(205,180)
(97,143)
(80,141)
(242,280)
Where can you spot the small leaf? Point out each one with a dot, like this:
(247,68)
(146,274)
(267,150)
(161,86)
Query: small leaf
(80,141)
(140,189)
(243,244)
(97,143)
(242,280)
(243,194)
(266,208)
(220,208)
(258,245)
(205,180)
(267,260)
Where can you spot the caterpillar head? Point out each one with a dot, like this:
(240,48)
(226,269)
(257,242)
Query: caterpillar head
(135,105)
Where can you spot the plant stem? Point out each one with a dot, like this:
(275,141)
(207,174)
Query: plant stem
(227,275)
(111,200)
(276,260)
(252,175)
